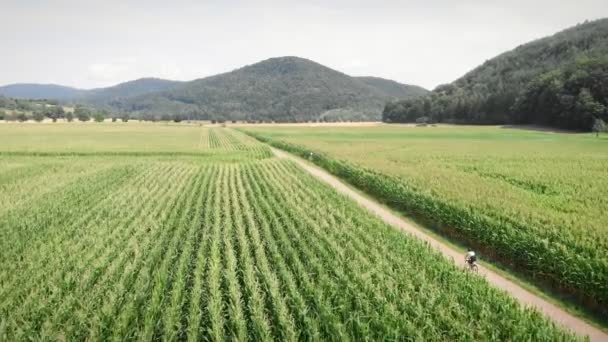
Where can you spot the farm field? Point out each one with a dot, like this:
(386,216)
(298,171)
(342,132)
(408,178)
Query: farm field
(113,138)
(213,238)
(534,200)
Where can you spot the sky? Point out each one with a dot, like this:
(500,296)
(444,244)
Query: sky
(88,44)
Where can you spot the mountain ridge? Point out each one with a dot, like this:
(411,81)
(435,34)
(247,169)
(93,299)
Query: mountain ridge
(40,91)
(287,88)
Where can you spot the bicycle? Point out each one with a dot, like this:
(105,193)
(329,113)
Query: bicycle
(472,266)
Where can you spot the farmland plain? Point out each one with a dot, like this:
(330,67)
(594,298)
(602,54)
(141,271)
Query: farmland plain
(535,201)
(212,238)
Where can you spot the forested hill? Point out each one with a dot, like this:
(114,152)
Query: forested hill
(278,89)
(127,89)
(561,81)
(392,88)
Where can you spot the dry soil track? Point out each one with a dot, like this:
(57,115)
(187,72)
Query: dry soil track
(557,314)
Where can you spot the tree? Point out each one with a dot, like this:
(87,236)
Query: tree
(98,116)
(82,113)
(54,112)
(149,117)
(588,109)
(21,117)
(2,114)
(69,116)
(38,116)
(598,126)
(125,117)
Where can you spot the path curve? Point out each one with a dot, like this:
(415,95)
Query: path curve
(557,314)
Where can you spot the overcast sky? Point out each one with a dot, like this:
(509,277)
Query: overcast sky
(99,43)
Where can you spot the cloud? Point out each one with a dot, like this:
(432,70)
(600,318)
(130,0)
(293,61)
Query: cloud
(129,68)
(111,71)
(170,71)
(82,43)
(353,64)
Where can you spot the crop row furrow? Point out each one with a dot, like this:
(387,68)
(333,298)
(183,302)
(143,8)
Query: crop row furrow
(106,241)
(236,324)
(319,283)
(196,315)
(123,252)
(159,266)
(276,300)
(259,319)
(173,317)
(309,327)
(139,266)
(37,264)
(214,305)
(337,234)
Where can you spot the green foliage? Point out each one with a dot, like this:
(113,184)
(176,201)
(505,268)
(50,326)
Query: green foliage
(571,97)
(69,116)
(82,113)
(21,117)
(54,111)
(524,86)
(99,116)
(38,116)
(3,114)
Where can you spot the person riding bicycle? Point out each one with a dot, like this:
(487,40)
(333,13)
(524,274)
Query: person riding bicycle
(470,257)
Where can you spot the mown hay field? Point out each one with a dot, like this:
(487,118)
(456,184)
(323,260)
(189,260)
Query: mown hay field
(228,244)
(533,200)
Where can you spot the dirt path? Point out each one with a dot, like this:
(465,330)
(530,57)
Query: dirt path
(560,316)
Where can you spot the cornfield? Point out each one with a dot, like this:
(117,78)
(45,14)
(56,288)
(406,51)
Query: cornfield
(533,201)
(233,244)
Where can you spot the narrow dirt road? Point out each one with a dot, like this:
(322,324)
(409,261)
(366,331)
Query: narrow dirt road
(560,316)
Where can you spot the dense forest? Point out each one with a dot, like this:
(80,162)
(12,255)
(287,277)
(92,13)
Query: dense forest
(557,81)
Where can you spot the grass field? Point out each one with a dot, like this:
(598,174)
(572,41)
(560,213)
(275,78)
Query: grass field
(533,200)
(206,246)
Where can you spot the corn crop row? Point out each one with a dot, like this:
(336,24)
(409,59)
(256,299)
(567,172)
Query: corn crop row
(188,250)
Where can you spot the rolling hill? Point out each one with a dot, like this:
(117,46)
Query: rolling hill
(137,87)
(492,93)
(97,96)
(40,91)
(277,89)
(393,88)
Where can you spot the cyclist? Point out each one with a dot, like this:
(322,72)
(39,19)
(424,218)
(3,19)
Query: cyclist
(470,257)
